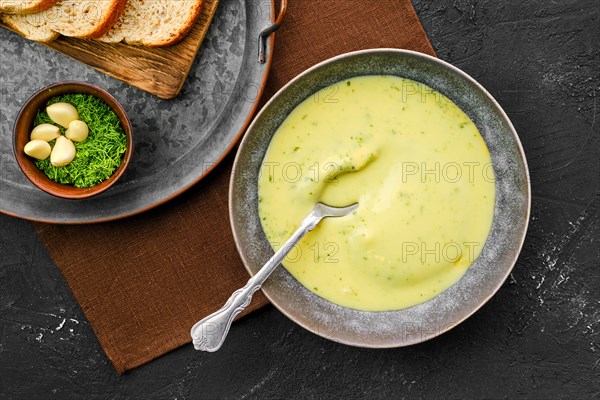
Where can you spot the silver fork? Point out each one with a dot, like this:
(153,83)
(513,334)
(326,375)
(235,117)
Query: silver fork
(209,333)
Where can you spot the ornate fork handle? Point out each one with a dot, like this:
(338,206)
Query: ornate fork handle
(209,333)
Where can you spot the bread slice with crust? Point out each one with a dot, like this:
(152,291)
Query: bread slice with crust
(154,23)
(30,26)
(85,19)
(25,6)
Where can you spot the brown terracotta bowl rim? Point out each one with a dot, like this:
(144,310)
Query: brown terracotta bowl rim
(43,182)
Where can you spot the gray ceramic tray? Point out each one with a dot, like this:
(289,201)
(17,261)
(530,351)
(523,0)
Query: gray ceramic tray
(176,142)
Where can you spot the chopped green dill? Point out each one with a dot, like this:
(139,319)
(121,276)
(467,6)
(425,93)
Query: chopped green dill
(97,157)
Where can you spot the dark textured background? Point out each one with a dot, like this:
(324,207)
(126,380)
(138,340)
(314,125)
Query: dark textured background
(537,338)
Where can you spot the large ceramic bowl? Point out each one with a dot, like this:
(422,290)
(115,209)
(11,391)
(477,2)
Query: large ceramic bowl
(482,279)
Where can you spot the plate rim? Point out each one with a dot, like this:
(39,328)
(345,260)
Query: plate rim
(469,313)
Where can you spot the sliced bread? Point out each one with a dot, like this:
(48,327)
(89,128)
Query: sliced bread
(85,19)
(32,28)
(25,6)
(154,23)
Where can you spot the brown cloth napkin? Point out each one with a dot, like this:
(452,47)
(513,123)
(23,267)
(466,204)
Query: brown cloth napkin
(144,281)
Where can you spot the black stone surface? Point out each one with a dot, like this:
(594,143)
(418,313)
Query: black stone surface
(539,337)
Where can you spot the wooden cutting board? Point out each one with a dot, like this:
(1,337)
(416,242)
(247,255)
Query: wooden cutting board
(159,71)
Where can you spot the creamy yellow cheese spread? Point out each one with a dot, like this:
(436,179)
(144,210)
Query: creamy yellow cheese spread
(418,168)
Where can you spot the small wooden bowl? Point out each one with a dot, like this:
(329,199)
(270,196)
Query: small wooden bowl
(24,125)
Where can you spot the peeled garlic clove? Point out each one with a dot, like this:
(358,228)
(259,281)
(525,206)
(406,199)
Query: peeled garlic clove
(62,113)
(39,149)
(45,132)
(78,131)
(63,152)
